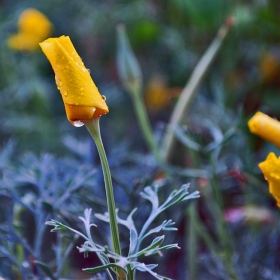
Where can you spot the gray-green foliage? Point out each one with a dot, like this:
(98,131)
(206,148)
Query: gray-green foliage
(130,263)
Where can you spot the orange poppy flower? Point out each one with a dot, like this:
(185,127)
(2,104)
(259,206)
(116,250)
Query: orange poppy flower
(33,27)
(80,95)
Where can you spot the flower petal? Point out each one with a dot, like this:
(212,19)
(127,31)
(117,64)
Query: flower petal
(271,170)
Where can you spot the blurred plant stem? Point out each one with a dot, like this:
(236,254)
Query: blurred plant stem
(196,229)
(191,218)
(144,122)
(191,88)
(94,130)
(218,207)
(131,77)
(192,241)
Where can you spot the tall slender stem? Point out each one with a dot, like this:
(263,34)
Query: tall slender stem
(144,122)
(192,241)
(93,128)
(224,236)
(191,88)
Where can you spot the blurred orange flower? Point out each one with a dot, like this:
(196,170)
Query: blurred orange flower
(80,95)
(270,67)
(158,95)
(265,127)
(33,27)
(271,170)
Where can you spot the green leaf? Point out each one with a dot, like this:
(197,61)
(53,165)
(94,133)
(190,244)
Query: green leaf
(164,226)
(48,206)
(57,225)
(159,249)
(151,195)
(156,242)
(185,140)
(148,268)
(103,267)
(45,269)
(132,241)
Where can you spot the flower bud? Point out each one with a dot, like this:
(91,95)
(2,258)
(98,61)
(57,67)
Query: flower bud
(265,127)
(127,64)
(80,95)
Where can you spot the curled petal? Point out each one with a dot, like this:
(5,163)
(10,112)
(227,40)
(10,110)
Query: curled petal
(271,170)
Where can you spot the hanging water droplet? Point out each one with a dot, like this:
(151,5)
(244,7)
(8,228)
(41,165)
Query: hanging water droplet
(88,70)
(103,97)
(78,123)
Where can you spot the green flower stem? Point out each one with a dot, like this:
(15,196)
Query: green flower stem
(94,130)
(192,241)
(207,238)
(191,218)
(191,88)
(224,236)
(143,120)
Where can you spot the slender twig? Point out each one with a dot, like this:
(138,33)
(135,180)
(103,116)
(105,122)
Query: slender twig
(191,88)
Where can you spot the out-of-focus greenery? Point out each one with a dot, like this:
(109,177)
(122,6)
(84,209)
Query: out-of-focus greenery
(168,38)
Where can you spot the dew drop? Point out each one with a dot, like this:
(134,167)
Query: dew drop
(103,97)
(84,70)
(88,70)
(78,123)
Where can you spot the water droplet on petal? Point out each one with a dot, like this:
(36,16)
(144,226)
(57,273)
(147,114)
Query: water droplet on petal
(78,123)
(65,93)
(104,97)
(88,70)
